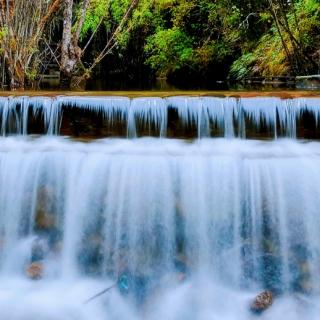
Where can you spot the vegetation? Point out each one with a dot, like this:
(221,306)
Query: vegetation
(174,39)
(24,31)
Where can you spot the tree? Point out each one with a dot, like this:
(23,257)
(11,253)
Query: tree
(174,39)
(73,71)
(70,50)
(194,36)
(22,27)
(289,43)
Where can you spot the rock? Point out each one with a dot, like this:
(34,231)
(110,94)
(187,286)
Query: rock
(262,302)
(38,250)
(35,271)
(45,215)
(45,221)
(306,286)
(303,283)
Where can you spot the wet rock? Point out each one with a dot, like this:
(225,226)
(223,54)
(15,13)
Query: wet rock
(261,302)
(44,221)
(38,250)
(35,271)
(303,283)
(306,286)
(181,263)
(91,254)
(45,217)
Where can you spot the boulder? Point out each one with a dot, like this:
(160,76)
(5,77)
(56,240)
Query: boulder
(34,271)
(261,302)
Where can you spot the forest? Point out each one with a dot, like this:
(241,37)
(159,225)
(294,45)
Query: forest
(142,40)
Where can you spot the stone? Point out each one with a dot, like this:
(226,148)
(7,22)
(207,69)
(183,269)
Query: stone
(44,221)
(262,302)
(34,271)
(38,250)
(45,217)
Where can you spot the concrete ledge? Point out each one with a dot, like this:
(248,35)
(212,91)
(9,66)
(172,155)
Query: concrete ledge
(285,94)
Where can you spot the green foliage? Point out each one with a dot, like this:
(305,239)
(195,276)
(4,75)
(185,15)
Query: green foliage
(3,33)
(169,51)
(32,74)
(201,37)
(299,29)
(98,10)
(242,67)
(199,34)
(191,34)
(270,56)
(308,21)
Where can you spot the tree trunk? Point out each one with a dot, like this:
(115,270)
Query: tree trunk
(16,73)
(68,54)
(17,78)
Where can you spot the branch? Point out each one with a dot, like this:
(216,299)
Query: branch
(52,9)
(2,12)
(245,22)
(92,35)
(81,20)
(275,17)
(109,44)
(52,53)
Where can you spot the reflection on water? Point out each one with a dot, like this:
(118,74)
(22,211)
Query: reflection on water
(125,84)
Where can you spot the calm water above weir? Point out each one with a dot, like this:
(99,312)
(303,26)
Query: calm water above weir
(215,202)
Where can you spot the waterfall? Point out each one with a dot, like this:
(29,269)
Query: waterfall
(230,116)
(195,229)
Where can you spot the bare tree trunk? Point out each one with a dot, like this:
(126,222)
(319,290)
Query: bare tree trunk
(70,50)
(68,60)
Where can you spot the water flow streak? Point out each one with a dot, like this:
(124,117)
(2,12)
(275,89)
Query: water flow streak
(229,115)
(231,218)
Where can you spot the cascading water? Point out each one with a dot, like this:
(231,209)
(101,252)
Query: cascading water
(228,115)
(195,229)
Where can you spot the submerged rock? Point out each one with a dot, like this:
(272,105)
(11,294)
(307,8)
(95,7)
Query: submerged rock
(38,250)
(45,214)
(45,221)
(262,302)
(35,271)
